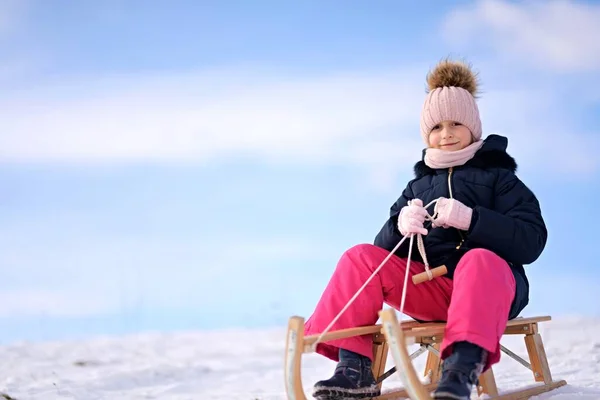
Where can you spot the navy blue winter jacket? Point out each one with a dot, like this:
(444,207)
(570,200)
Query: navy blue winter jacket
(506,214)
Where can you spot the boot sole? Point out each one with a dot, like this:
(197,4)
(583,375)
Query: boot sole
(449,396)
(332,393)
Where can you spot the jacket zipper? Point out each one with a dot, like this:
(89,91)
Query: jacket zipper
(462,239)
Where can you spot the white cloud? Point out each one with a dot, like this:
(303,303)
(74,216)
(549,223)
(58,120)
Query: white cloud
(541,133)
(120,275)
(213,115)
(369,120)
(27,302)
(556,35)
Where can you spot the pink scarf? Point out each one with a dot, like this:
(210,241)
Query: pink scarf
(436,158)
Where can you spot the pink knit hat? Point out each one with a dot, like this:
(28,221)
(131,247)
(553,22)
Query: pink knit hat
(452,90)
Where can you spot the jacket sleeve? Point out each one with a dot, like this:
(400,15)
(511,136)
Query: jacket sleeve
(515,228)
(389,235)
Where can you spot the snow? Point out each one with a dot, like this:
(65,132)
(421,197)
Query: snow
(248,365)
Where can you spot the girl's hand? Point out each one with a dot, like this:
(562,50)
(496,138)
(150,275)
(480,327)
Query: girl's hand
(412,217)
(452,213)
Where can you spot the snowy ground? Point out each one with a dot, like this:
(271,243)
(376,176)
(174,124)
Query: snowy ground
(244,365)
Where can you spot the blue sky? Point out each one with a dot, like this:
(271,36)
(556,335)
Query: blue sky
(194,166)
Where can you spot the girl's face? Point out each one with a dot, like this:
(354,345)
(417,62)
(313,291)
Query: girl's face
(450,135)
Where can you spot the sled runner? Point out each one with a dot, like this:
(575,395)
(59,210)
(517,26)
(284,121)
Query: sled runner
(394,337)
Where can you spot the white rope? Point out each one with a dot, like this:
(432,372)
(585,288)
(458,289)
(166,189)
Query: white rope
(406,275)
(421,247)
(420,243)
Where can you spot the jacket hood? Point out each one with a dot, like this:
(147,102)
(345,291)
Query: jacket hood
(492,154)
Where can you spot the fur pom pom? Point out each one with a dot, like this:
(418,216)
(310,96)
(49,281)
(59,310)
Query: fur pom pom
(453,73)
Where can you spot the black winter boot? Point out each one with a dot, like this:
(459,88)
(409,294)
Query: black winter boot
(352,379)
(460,371)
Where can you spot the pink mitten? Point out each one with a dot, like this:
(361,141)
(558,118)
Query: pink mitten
(452,213)
(412,218)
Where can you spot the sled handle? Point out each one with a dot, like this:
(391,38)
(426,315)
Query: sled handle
(435,272)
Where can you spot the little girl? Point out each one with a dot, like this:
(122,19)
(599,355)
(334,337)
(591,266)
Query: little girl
(487,226)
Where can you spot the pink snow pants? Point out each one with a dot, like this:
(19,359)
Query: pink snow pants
(475,304)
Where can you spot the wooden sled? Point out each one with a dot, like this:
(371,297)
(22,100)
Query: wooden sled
(391,336)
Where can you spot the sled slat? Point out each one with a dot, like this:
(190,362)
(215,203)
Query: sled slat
(513,327)
(351,332)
